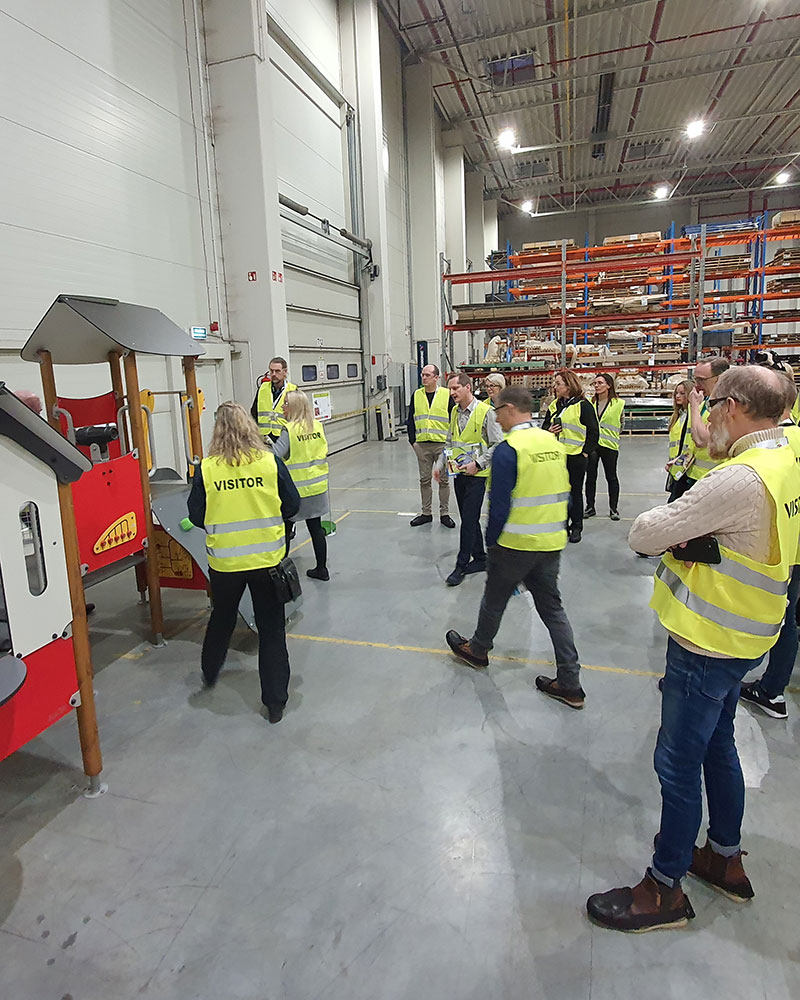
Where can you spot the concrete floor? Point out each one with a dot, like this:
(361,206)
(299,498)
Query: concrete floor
(412,829)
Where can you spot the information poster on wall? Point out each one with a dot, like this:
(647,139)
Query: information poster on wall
(323,409)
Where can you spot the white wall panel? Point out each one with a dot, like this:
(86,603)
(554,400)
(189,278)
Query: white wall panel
(314,26)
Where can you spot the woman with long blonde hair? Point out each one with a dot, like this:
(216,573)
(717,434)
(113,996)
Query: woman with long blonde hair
(679,441)
(242,495)
(303,447)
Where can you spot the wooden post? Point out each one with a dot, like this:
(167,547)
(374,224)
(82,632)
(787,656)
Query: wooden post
(119,392)
(194,410)
(86,712)
(137,433)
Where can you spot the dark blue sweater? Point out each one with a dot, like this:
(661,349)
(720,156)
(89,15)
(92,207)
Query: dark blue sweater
(504,479)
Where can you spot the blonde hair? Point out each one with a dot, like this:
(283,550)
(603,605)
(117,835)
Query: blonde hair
(496,379)
(297,410)
(236,439)
(571,381)
(676,412)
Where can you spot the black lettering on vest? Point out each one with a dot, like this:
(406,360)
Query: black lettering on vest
(309,437)
(218,485)
(230,484)
(793,507)
(259,481)
(251,481)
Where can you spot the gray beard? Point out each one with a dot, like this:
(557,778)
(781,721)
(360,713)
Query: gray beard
(719,443)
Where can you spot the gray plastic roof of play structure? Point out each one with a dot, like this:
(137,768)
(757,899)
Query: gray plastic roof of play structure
(81,330)
(19,423)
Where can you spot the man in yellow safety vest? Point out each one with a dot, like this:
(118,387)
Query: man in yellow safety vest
(267,408)
(722,615)
(428,420)
(706,373)
(525,535)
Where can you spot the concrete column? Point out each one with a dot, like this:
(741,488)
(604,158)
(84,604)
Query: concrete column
(361,79)
(421,127)
(240,78)
(475,252)
(491,239)
(456,236)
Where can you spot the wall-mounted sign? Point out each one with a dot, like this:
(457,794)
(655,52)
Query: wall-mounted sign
(323,407)
(199,332)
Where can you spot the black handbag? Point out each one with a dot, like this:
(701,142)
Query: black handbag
(286,580)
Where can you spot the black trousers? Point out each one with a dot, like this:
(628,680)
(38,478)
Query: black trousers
(576,467)
(470,491)
(273,657)
(318,541)
(609,458)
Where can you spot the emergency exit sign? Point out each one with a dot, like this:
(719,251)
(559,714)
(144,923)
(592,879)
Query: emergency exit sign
(199,332)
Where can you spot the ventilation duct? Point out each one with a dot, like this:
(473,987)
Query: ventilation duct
(605,97)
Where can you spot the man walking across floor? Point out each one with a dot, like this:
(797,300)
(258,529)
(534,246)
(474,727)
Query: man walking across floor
(525,535)
(471,439)
(267,408)
(722,615)
(428,420)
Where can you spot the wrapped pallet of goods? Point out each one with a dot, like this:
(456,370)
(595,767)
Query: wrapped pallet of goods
(651,237)
(788,217)
(629,381)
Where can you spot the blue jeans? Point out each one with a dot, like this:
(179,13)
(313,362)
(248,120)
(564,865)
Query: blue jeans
(697,710)
(784,652)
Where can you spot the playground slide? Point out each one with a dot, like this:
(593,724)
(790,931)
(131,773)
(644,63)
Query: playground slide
(169,496)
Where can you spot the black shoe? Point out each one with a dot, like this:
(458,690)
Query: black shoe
(90,608)
(575,535)
(660,683)
(456,577)
(614,515)
(550,687)
(318,574)
(447,521)
(464,651)
(475,567)
(421,519)
(775,708)
(293,532)
(275,713)
(207,684)
(642,555)
(590,512)
(648,906)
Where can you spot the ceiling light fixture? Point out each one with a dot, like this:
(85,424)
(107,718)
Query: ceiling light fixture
(507,139)
(661,192)
(695,129)
(783,177)
(526,206)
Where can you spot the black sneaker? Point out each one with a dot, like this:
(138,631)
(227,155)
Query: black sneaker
(775,708)
(614,515)
(575,535)
(447,521)
(475,567)
(274,713)
(590,512)
(456,577)
(421,519)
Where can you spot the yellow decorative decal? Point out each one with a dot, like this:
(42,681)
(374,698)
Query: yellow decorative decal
(121,531)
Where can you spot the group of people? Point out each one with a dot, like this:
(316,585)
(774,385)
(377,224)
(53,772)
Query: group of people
(725,604)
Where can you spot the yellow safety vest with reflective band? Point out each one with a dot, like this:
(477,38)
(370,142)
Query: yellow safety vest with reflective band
(675,433)
(270,414)
(538,517)
(610,423)
(244,526)
(703,463)
(736,608)
(430,422)
(792,434)
(573,432)
(471,438)
(794,413)
(308,459)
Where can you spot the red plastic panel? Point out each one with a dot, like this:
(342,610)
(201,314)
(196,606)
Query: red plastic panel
(43,698)
(94,410)
(109,511)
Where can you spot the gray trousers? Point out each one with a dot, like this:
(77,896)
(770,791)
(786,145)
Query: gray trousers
(428,453)
(539,572)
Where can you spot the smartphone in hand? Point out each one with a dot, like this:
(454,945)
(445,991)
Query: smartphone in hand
(704,549)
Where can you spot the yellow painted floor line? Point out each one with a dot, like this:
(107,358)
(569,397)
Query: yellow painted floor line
(446,652)
(336,520)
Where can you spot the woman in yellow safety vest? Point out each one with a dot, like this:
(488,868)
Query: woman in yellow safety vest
(573,420)
(242,495)
(608,407)
(680,439)
(303,447)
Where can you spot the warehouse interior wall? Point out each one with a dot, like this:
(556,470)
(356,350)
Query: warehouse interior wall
(107,186)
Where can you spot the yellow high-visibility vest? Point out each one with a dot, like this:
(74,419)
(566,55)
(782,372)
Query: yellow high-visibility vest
(794,413)
(737,608)
(703,463)
(430,422)
(308,459)
(538,517)
(244,526)
(271,420)
(792,435)
(573,432)
(610,423)
(470,440)
(675,433)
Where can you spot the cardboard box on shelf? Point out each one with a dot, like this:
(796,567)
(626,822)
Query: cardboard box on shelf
(787,217)
(611,241)
(546,245)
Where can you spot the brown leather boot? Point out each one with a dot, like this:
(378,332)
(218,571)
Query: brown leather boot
(648,906)
(725,874)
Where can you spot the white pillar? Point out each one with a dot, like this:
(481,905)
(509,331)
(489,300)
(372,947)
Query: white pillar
(456,236)
(421,126)
(361,78)
(240,78)
(490,234)
(475,252)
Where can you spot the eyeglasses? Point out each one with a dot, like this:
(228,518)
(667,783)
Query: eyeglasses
(704,378)
(500,407)
(720,399)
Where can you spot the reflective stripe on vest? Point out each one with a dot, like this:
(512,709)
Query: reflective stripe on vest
(431,422)
(737,608)
(675,442)
(703,463)
(610,423)
(308,459)
(244,526)
(573,432)
(270,414)
(470,440)
(538,515)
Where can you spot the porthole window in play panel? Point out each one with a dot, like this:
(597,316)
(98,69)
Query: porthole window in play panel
(32,548)
(309,373)
(332,372)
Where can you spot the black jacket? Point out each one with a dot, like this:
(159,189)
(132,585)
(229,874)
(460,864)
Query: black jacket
(588,419)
